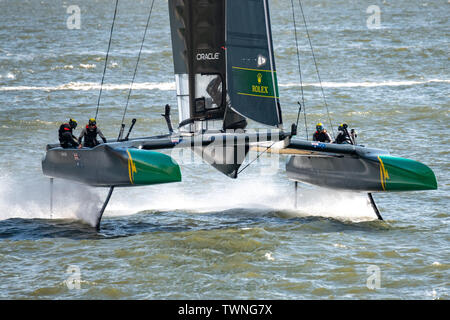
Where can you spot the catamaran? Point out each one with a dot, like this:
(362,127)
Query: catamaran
(225,73)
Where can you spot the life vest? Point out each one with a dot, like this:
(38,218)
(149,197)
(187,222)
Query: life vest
(321,136)
(64,128)
(90,137)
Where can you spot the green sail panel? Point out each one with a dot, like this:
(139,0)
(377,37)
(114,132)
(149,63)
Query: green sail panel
(251,72)
(255,83)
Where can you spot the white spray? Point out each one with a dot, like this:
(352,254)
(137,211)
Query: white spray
(75,201)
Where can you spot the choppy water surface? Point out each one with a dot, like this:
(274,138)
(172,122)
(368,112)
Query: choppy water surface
(210,236)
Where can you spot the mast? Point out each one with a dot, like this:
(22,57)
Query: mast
(224,63)
(272,58)
(198,44)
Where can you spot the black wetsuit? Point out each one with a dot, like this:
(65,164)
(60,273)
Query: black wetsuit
(66,137)
(90,136)
(343,137)
(322,136)
(353,135)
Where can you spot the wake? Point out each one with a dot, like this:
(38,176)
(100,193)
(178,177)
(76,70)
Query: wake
(31,200)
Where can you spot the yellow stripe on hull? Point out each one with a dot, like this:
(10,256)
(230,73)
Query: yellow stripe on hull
(131,168)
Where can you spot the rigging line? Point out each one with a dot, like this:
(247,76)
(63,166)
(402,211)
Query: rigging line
(259,155)
(106,60)
(137,62)
(299,72)
(317,69)
(306,126)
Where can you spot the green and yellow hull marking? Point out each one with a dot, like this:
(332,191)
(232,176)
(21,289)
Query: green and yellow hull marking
(131,167)
(148,167)
(384,175)
(400,174)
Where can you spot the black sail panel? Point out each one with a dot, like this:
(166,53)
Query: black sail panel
(252,77)
(198,44)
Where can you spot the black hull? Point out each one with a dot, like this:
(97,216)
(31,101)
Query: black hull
(337,172)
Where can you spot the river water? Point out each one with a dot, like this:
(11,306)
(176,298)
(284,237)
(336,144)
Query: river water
(210,237)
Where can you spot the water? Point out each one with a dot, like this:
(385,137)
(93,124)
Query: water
(210,236)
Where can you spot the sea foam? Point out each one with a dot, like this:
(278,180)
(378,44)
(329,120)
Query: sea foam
(170,86)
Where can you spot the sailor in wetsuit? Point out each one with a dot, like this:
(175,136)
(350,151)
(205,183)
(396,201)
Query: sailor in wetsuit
(66,137)
(343,136)
(321,134)
(89,133)
(353,135)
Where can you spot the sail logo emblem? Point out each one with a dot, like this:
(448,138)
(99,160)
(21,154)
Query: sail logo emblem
(261,60)
(207,56)
(259,88)
(255,82)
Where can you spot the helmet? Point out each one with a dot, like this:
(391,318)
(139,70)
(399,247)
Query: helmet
(73,123)
(92,122)
(319,126)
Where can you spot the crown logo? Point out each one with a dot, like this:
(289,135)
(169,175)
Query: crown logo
(259,76)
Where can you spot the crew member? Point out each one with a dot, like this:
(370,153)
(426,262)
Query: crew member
(343,136)
(353,135)
(321,134)
(66,137)
(89,133)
